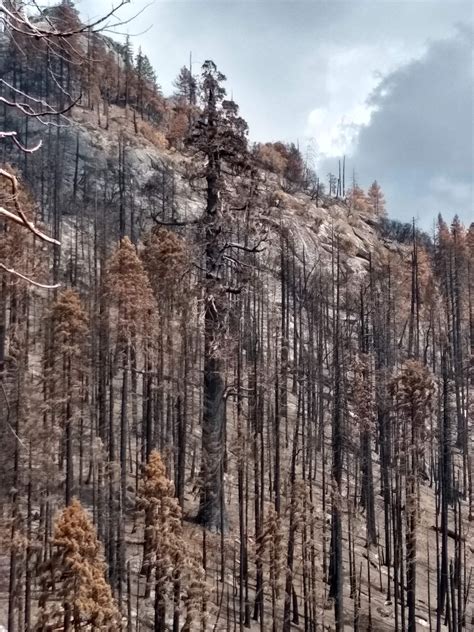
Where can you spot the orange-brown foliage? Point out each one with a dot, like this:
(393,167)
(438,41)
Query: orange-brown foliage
(74,585)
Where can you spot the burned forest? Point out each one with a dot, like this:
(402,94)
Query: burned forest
(235,393)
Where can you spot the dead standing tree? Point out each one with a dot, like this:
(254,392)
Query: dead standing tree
(220,139)
(412,389)
(214,142)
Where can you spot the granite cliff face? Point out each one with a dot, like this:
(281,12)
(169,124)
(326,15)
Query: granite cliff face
(158,181)
(85,180)
(258,393)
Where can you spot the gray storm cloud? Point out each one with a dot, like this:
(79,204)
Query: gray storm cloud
(419,142)
(305,69)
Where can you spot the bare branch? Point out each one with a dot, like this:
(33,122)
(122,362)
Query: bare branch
(25,278)
(21,147)
(254,248)
(234,290)
(28,110)
(19,22)
(175,223)
(7,420)
(21,218)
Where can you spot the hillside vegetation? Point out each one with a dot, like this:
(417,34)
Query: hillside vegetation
(247,400)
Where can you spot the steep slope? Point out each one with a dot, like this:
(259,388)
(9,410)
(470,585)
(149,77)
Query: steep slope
(282,328)
(160,183)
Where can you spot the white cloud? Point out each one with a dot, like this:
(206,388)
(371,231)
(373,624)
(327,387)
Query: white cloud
(336,131)
(343,77)
(351,76)
(419,142)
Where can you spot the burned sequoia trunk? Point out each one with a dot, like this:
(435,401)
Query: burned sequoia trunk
(211,505)
(220,136)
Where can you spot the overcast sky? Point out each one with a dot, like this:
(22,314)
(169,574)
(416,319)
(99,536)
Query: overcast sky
(390,84)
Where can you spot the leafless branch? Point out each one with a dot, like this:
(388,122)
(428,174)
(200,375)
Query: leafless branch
(21,147)
(21,218)
(28,110)
(175,223)
(209,275)
(19,22)
(7,420)
(254,248)
(233,290)
(233,261)
(28,279)
(37,26)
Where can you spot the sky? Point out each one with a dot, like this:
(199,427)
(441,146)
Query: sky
(388,84)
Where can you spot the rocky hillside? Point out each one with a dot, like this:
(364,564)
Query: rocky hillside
(260,398)
(160,183)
